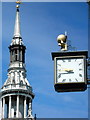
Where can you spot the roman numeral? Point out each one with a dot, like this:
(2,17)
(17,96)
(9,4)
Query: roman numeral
(69,60)
(80,63)
(59,76)
(63,80)
(76,79)
(58,64)
(80,75)
(80,69)
(63,60)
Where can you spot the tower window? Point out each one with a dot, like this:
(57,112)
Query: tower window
(12,56)
(15,51)
(16,55)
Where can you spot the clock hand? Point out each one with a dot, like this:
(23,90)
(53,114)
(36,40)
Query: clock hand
(64,73)
(67,72)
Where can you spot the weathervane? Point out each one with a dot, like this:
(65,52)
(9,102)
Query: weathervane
(18,2)
(62,41)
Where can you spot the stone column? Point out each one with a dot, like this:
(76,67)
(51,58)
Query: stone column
(3,107)
(9,106)
(25,107)
(17,115)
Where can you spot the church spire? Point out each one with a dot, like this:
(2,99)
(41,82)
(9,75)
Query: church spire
(17,25)
(17,39)
(16,93)
(17,21)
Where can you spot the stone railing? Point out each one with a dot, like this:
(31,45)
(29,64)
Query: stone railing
(16,86)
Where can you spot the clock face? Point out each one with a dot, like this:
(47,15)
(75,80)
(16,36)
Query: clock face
(70,70)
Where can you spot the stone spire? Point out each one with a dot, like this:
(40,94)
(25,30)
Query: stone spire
(17,25)
(17,39)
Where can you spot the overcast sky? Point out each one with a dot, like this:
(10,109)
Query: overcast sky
(41,23)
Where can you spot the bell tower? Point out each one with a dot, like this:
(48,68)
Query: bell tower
(16,93)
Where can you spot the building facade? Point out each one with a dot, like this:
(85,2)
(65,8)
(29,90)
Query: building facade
(16,93)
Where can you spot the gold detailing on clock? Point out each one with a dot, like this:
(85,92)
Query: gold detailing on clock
(66,70)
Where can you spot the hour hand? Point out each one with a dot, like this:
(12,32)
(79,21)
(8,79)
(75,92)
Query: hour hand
(69,70)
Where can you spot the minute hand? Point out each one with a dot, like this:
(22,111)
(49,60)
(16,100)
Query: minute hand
(67,72)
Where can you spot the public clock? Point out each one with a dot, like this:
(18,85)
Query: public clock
(70,73)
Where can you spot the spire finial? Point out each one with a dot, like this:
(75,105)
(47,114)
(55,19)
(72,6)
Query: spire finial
(18,2)
(17,39)
(17,21)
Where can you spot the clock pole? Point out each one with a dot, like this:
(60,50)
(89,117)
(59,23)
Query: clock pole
(88,1)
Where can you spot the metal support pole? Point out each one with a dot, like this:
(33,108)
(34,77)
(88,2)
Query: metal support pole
(88,55)
(88,27)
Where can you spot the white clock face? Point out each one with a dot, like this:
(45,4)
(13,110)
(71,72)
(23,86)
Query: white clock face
(69,70)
